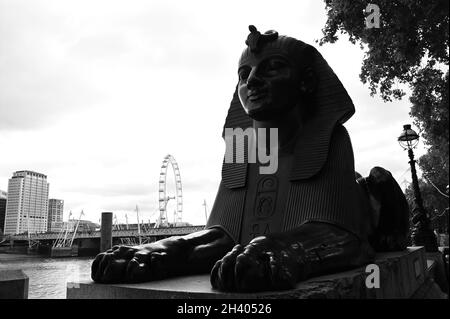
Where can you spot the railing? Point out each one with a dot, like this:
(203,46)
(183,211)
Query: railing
(163,231)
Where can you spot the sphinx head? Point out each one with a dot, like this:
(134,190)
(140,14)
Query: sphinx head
(275,75)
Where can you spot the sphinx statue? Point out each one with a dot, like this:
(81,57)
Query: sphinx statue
(313,215)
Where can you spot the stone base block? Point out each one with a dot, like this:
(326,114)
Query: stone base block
(13,284)
(400,275)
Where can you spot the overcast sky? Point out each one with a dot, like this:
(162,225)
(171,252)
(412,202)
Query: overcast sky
(94,94)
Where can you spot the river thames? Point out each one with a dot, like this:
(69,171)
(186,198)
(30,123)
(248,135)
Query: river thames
(48,277)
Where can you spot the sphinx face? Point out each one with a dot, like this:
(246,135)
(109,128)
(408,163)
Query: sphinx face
(268,86)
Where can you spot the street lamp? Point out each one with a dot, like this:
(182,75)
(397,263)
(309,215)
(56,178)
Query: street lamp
(422,235)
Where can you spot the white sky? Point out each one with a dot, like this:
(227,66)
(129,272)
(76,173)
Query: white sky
(95,93)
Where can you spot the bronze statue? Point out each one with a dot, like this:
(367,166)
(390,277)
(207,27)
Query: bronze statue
(312,216)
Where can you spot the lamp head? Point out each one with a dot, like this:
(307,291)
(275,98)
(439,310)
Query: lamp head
(408,139)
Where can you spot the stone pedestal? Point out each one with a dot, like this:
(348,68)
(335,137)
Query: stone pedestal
(13,284)
(401,274)
(438,269)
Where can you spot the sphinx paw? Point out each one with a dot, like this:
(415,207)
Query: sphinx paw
(110,266)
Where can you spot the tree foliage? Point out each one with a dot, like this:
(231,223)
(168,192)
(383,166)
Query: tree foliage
(435,204)
(411,48)
(412,33)
(430,111)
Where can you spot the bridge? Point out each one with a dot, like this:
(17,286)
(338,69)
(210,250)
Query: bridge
(71,240)
(149,232)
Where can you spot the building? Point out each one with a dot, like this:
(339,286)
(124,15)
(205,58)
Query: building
(27,203)
(55,215)
(83,225)
(3,197)
(56,227)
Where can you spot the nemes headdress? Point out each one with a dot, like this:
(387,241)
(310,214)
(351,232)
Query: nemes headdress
(331,105)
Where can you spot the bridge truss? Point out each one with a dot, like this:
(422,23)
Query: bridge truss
(66,236)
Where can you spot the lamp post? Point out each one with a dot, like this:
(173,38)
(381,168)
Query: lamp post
(421,235)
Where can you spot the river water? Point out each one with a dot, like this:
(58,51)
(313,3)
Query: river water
(48,277)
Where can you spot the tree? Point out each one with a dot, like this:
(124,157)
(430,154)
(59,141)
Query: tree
(430,111)
(409,48)
(433,203)
(412,33)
